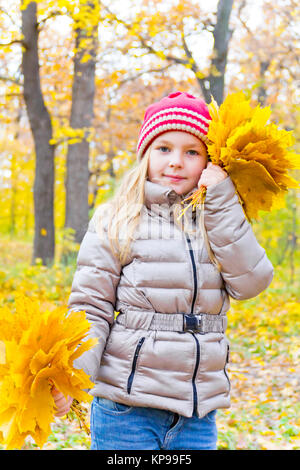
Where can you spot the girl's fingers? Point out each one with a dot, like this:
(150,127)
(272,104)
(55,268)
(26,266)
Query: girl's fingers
(55,392)
(62,404)
(211,175)
(63,410)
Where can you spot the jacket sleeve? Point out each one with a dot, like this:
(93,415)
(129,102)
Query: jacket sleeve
(94,291)
(245,268)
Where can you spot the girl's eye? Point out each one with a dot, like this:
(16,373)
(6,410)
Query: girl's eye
(163,149)
(192,152)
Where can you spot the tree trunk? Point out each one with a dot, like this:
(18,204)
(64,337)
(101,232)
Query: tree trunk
(77,175)
(214,83)
(262,92)
(41,128)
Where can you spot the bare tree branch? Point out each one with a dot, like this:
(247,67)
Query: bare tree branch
(134,77)
(10,79)
(14,41)
(9,16)
(42,23)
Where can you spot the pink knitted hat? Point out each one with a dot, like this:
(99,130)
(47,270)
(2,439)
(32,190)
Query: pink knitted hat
(178,111)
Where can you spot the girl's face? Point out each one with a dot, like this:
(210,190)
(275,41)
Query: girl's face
(177,160)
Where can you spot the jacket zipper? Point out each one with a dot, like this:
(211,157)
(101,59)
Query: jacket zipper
(225,371)
(194,272)
(195,395)
(135,358)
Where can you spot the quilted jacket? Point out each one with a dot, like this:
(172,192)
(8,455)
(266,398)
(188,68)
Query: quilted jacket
(168,272)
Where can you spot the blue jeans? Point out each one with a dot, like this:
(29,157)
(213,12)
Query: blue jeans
(120,427)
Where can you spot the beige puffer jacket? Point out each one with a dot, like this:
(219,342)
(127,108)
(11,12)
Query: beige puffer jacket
(136,364)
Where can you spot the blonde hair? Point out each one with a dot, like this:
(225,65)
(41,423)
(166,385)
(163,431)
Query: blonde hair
(124,210)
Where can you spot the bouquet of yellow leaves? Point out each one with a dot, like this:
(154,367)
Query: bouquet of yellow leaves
(254,154)
(37,350)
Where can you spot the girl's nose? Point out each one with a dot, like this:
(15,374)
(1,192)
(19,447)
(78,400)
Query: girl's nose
(175,159)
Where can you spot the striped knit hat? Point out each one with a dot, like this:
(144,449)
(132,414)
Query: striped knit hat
(179,112)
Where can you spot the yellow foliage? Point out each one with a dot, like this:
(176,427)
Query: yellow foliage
(161,55)
(200,75)
(254,153)
(38,347)
(105,166)
(69,134)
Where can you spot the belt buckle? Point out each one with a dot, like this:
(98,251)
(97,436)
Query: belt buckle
(191,322)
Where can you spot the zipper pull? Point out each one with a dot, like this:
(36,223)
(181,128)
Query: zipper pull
(138,347)
(228,354)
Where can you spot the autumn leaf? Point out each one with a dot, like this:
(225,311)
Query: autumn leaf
(258,188)
(253,152)
(37,350)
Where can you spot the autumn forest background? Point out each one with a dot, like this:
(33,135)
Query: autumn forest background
(75,78)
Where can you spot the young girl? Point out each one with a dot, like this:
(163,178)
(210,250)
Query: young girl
(159,368)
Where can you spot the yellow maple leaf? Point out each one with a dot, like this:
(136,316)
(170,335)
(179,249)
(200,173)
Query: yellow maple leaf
(255,186)
(37,351)
(254,152)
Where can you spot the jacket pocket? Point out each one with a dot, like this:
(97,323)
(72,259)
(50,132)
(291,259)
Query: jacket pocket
(225,371)
(111,407)
(134,362)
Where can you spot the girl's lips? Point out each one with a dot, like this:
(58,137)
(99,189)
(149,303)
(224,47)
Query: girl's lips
(174,177)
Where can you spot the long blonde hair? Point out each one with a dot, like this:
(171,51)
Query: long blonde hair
(124,210)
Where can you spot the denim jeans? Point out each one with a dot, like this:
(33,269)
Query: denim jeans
(120,427)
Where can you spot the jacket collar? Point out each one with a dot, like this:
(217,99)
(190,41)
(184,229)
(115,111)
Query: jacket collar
(156,194)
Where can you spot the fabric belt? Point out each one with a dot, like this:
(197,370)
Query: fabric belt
(200,323)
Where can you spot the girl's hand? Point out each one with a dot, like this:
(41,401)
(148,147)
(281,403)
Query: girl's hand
(212,174)
(63,406)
